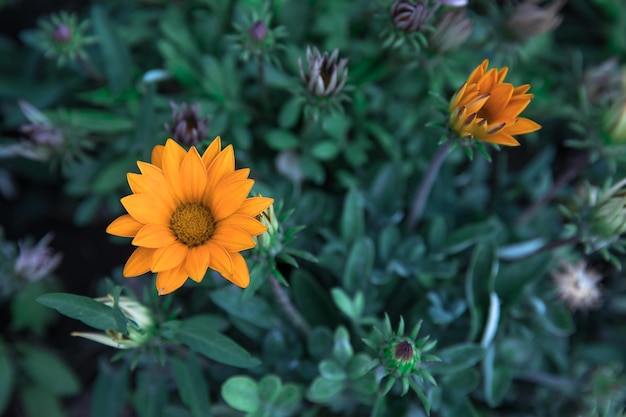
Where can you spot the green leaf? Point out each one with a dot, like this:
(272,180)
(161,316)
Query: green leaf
(343,302)
(176,30)
(289,399)
(352,217)
(109,391)
(281,140)
(457,358)
(320,342)
(342,348)
(26,313)
(269,388)
(359,366)
(289,113)
(39,402)
(192,385)
(179,66)
(330,369)
(113,175)
(359,265)
(323,390)
(150,393)
(255,310)
(312,169)
(312,300)
(214,345)
(480,283)
(337,125)
(325,150)
(96,121)
(7,377)
(241,393)
(514,278)
(496,379)
(471,234)
(48,370)
(384,138)
(114,53)
(85,309)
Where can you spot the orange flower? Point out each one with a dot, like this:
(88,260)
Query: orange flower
(487,109)
(188,213)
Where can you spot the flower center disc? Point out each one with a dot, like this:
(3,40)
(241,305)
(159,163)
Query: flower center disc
(193,224)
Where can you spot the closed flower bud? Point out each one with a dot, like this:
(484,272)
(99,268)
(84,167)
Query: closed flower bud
(187,126)
(603,83)
(37,262)
(258,31)
(62,33)
(61,36)
(408,16)
(615,122)
(608,214)
(269,241)
(325,75)
(451,31)
(529,19)
(578,286)
(400,357)
(140,326)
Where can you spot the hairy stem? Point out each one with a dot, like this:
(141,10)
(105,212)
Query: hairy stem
(419,202)
(290,310)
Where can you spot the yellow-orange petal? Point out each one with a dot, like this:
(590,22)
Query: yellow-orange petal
(197,262)
(193,178)
(168,257)
(248,224)
(522,125)
(493,109)
(125,226)
(232,238)
(134,183)
(157,156)
(488,80)
(220,259)
(223,164)
(154,236)
(138,263)
(156,186)
(228,198)
(501,138)
(478,72)
(240,275)
(173,156)
(254,206)
(237,175)
(170,280)
(212,151)
(146,209)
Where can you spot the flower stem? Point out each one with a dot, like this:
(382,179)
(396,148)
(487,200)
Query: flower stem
(290,310)
(562,181)
(417,208)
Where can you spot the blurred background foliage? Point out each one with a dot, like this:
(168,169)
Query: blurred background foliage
(503,271)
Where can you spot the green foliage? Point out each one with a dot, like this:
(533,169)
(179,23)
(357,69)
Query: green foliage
(510,273)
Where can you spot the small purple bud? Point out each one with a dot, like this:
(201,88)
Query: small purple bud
(62,33)
(258,31)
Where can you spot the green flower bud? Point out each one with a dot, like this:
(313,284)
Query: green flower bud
(400,356)
(608,212)
(140,327)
